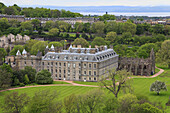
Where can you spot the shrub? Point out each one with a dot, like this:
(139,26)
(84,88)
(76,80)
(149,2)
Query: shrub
(43,77)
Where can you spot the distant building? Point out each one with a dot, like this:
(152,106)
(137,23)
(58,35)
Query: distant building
(73,64)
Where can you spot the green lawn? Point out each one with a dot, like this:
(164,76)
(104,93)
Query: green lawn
(64,91)
(60,82)
(141,87)
(87,83)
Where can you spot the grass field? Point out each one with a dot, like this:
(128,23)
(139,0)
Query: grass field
(141,87)
(87,83)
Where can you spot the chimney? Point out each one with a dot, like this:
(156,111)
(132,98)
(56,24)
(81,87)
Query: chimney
(78,46)
(74,46)
(96,46)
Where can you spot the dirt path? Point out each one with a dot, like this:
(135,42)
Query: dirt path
(75,84)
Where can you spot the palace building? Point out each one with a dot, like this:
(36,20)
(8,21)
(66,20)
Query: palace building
(76,63)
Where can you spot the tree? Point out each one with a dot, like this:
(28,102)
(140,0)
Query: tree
(30,72)
(29,45)
(4,24)
(27,26)
(127,37)
(118,80)
(144,50)
(44,101)
(10,10)
(49,25)
(91,102)
(81,41)
(26,79)
(55,44)
(121,49)
(111,36)
(98,27)
(163,55)
(16,48)
(54,32)
(3,53)
(157,86)
(129,27)
(79,27)
(126,103)
(139,29)
(70,104)
(145,108)
(111,26)
(5,79)
(15,103)
(36,24)
(43,77)
(98,41)
(39,46)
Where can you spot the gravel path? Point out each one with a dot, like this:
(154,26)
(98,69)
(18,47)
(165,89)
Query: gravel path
(75,84)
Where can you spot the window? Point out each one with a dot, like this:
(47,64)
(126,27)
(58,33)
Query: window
(74,65)
(25,63)
(56,64)
(89,72)
(32,63)
(64,64)
(84,65)
(94,78)
(59,64)
(60,71)
(64,71)
(56,70)
(51,63)
(68,64)
(89,78)
(89,65)
(42,63)
(84,72)
(79,65)
(94,66)
(94,72)
(48,63)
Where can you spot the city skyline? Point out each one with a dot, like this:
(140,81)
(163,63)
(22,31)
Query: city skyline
(88,2)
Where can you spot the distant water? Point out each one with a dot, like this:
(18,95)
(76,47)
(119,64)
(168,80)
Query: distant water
(150,14)
(155,11)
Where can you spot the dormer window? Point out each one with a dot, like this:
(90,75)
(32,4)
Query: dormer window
(65,57)
(86,58)
(75,58)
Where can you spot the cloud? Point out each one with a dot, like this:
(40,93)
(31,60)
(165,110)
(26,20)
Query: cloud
(88,2)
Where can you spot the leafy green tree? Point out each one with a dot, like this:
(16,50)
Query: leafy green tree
(111,36)
(54,32)
(163,55)
(129,27)
(111,26)
(107,17)
(39,46)
(157,86)
(15,103)
(139,29)
(81,41)
(3,53)
(49,25)
(27,26)
(79,27)
(127,37)
(157,29)
(30,72)
(98,27)
(167,30)
(11,10)
(44,101)
(111,105)
(63,26)
(55,13)
(4,24)
(120,77)
(86,27)
(70,104)
(16,48)
(55,44)
(98,41)
(91,102)
(5,79)
(121,49)
(144,50)
(43,77)
(36,24)
(145,108)
(29,44)
(26,79)
(16,81)
(126,103)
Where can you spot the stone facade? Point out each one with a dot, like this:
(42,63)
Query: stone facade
(73,64)
(9,40)
(138,66)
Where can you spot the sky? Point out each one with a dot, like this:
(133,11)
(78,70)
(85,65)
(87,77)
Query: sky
(88,2)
